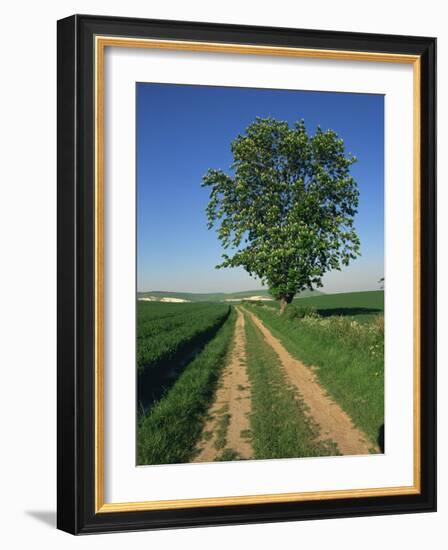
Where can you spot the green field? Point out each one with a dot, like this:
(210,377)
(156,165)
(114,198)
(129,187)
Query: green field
(168,335)
(168,432)
(166,331)
(360,305)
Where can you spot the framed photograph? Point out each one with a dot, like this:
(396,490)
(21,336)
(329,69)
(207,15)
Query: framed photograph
(246,274)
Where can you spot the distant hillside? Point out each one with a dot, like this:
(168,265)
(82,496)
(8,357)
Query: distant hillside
(157,295)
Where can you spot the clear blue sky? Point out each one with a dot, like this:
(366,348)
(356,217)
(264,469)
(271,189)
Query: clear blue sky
(182,131)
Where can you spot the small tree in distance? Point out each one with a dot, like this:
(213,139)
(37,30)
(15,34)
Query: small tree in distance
(287,209)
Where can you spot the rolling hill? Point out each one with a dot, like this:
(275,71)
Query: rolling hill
(158,295)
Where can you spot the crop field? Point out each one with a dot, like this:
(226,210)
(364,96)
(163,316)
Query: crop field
(166,330)
(359,305)
(180,348)
(167,335)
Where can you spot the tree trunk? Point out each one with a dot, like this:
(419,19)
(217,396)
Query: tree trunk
(284,301)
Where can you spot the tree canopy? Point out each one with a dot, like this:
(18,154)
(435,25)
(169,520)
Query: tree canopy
(285,211)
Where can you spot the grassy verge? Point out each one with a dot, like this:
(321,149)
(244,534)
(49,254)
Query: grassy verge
(168,433)
(280,427)
(349,360)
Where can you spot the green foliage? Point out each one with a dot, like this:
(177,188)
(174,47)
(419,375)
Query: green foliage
(347,356)
(165,331)
(168,433)
(287,211)
(300,311)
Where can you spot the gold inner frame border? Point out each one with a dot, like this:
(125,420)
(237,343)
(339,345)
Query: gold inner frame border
(100,44)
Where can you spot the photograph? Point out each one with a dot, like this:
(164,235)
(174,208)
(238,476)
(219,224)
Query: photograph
(246,273)
(260,277)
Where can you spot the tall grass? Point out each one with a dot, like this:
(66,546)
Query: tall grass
(168,433)
(348,358)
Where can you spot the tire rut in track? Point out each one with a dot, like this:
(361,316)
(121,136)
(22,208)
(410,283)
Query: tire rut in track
(229,423)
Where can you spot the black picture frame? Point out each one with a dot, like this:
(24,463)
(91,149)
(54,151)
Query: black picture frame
(76,286)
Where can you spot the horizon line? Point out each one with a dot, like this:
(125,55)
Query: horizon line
(254,291)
